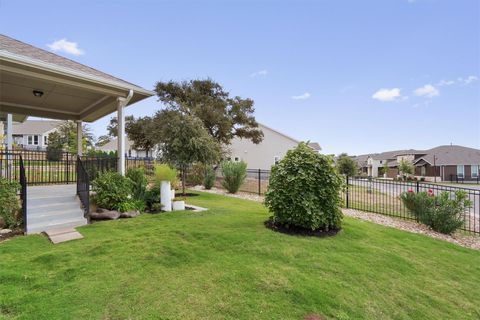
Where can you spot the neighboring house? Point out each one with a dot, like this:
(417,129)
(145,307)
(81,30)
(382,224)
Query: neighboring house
(33,134)
(267,153)
(129,150)
(443,163)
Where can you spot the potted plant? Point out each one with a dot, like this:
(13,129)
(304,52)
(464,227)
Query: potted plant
(166,175)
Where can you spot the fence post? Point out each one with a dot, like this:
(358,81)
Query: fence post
(259,182)
(347,193)
(67,176)
(418,186)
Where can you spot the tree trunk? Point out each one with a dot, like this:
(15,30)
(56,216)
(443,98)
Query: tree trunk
(183,181)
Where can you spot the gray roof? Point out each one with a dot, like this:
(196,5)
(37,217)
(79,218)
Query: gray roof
(24,49)
(315,146)
(452,155)
(113,144)
(36,127)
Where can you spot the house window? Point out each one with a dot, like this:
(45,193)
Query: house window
(460,171)
(423,171)
(276,159)
(475,171)
(32,140)
(237,159)
(45,140)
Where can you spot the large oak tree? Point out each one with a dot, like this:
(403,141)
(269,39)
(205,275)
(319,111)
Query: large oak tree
(223,116)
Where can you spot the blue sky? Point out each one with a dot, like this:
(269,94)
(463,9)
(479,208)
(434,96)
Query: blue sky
(356,76)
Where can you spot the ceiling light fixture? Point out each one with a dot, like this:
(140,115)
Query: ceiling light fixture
(38,93)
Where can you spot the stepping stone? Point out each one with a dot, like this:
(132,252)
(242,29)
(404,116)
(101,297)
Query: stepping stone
(63,235)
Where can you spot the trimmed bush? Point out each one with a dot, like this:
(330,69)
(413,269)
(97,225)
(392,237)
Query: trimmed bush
(304,191)
(152,198)
(234,174)
(163,172)
(210,177)
(9,204)
(443,213)
(111,189)
(139,183)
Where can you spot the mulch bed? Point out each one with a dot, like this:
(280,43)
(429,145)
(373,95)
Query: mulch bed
(187,194)
(12,234)
(298,231)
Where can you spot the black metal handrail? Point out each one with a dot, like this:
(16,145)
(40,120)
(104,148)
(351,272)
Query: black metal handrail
(83,186)
(23,193)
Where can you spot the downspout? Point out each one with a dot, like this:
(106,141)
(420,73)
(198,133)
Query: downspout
(128,98)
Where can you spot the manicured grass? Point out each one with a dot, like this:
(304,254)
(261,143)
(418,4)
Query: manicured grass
(224,264)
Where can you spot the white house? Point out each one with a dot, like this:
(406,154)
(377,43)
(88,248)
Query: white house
(129,150)
(267,153)
(33,134)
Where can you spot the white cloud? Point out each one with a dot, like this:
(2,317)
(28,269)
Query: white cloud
(427,91)
(304,96)
(442,83)
(63,45)
(387,94)
(468,80)
(261,73)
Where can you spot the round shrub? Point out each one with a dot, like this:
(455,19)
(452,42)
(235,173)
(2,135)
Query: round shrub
(304,191)
(209,180)
(111,189)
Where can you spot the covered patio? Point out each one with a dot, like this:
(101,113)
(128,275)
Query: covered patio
(38,83)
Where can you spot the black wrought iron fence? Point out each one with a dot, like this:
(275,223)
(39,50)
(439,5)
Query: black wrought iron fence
(383,196)
(23,192)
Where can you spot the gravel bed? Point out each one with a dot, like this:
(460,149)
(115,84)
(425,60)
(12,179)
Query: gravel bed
(460,239)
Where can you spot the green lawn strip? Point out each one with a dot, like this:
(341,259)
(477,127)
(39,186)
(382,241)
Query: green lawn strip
(224,264)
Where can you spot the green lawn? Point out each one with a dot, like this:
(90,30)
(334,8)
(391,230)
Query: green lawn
(223,264)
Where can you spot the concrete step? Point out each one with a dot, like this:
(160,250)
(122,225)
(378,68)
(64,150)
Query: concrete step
(49,201)
(60,215)
(63,234)
(56,224)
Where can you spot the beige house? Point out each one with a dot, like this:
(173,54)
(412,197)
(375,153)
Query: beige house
(265,154)
(130,151)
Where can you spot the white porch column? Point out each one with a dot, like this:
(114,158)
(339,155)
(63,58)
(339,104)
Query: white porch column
(121,135)
(9,131)
(79,138)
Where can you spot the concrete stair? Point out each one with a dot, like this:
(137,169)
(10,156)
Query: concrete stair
(53,208)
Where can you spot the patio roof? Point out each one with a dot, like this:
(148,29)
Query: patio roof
(39,83)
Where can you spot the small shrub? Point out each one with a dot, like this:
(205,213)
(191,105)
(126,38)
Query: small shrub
(132,205)
(209,180)
(152,197)
(111,189)
(9,204)
(139,183)
(443,213)
(304,191)
(234,174)
(196,174)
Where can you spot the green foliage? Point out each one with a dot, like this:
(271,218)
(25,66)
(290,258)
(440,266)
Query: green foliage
(304,191)
(101,154)
(111,189)
(234,174)
(346,165)
(68,136)
(443,213)
(152,198)
(405,167)
(9,204)
(184,140)
(209,179)
(139,183)
(131,205)
(163,172)
(224,117)
(196,174)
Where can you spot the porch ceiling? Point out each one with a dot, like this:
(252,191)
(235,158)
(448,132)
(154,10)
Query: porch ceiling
(67,92)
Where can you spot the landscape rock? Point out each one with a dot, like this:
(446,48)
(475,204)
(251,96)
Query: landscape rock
(105,215)
(129,214)
(5,231)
